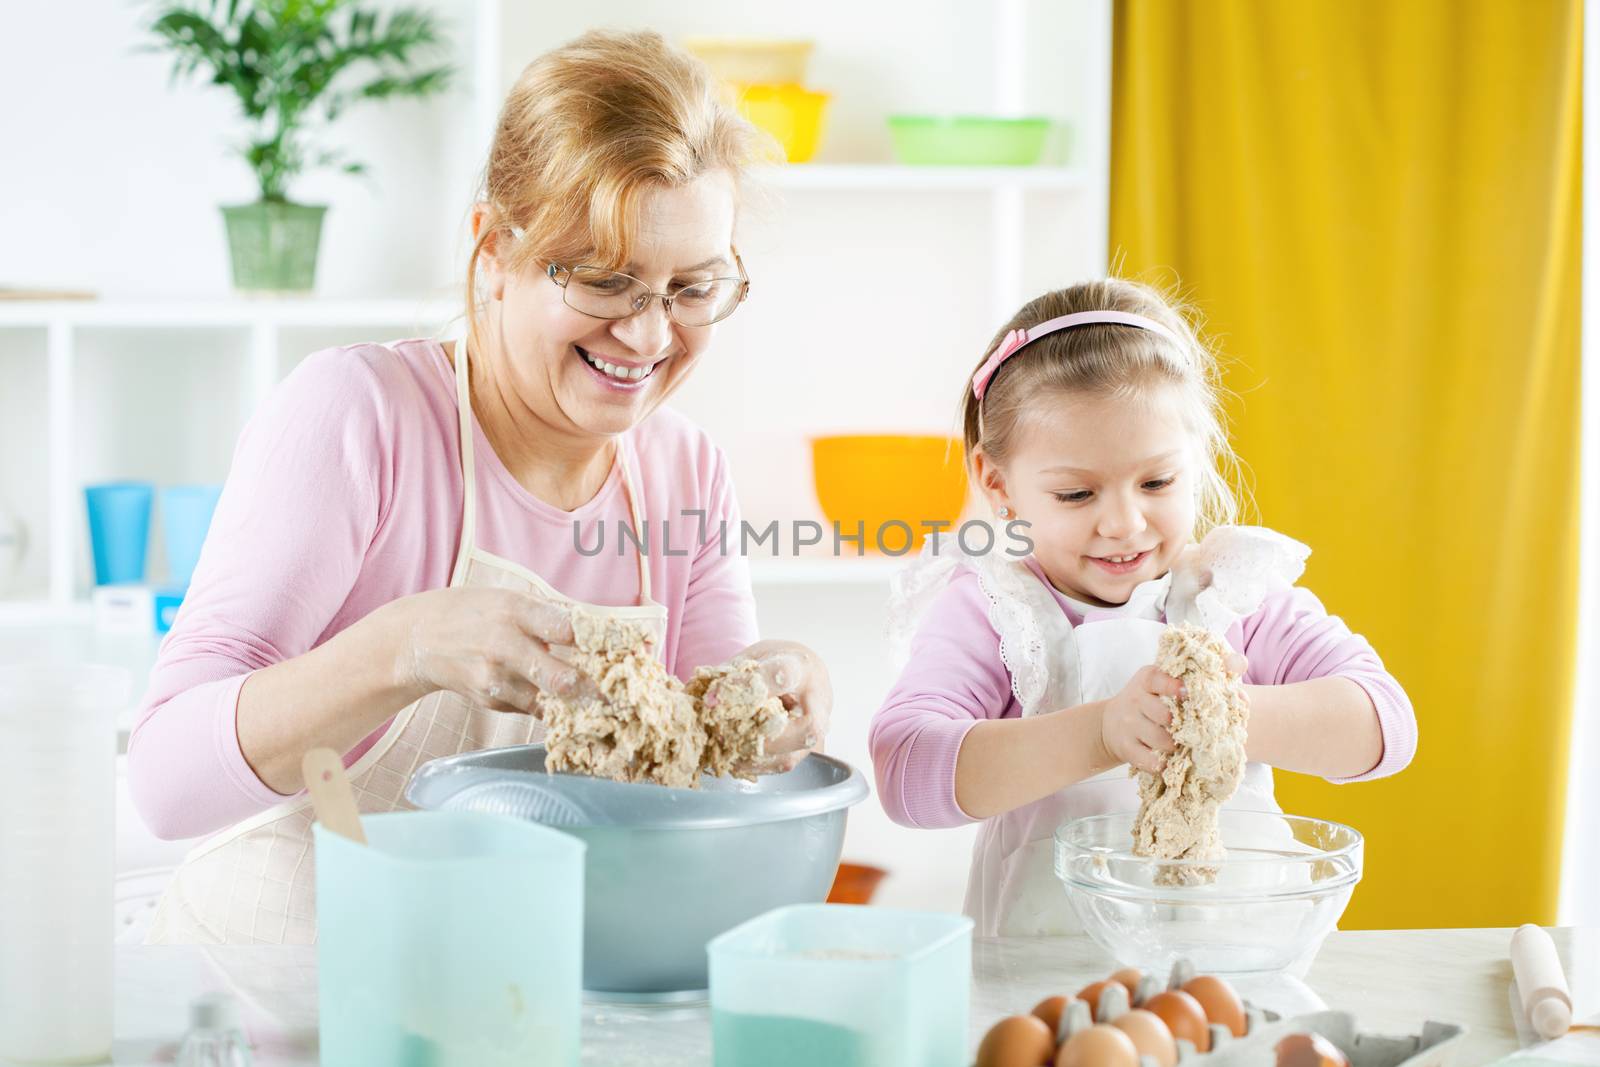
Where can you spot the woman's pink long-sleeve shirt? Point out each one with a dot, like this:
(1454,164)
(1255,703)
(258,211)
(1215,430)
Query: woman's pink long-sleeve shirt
(345,494)
(956,679)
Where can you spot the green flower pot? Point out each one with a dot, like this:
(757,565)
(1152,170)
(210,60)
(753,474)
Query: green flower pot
(274,245)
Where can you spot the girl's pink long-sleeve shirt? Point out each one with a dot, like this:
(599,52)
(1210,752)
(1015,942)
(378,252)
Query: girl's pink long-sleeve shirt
(345,494)
(956,679)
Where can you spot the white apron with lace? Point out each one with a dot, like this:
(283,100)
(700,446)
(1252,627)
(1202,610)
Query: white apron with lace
(1012,889)
(255,882)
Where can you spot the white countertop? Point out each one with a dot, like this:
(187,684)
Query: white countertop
(1393,981)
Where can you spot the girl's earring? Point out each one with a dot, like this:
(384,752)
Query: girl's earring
(1005,513)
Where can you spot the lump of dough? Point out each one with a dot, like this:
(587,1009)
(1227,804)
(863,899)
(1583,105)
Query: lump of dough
(647,726)
(1178,808)
(739,714)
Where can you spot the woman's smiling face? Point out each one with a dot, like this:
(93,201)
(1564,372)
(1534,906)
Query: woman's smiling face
(1107,486)
(555,359)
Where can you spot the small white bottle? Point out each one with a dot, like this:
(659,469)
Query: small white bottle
(214,1038)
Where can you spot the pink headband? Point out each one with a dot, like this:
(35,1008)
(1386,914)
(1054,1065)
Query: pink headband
(1016,339)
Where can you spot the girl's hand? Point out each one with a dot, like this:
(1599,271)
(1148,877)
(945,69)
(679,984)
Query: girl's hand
(1135,724)
(497,648)
(798,677)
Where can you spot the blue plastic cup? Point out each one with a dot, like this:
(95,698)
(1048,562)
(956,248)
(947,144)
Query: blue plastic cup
(119,530)
(451,938)
(185,518)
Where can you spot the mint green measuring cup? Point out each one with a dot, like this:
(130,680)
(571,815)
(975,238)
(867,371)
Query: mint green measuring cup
(452,939)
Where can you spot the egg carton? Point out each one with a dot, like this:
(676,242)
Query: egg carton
(1436,1046)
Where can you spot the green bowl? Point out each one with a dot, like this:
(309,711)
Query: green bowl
(970,141)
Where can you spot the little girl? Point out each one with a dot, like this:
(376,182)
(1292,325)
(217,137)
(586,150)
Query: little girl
(1092,429)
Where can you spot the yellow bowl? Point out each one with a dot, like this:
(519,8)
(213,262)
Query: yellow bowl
(752,59)
(880,479)
(792,114)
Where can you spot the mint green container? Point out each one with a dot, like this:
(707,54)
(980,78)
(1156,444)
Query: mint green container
(452,939)
(273,245)
(968,141)
(842,985)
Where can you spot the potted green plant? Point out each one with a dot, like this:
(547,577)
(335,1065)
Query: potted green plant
(295,66)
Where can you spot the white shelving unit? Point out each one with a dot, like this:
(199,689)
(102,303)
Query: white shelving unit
(1009,57)
(892,177)
(243,312)
(1004,185)
(253,333)
(92,351)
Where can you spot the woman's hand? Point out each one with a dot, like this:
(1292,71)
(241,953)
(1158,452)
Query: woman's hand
(798,677)
(495,647)
(1135,724)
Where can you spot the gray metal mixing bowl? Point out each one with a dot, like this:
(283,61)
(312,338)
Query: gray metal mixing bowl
(667,869)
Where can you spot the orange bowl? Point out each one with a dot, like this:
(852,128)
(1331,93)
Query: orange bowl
(878,480)
(855,883)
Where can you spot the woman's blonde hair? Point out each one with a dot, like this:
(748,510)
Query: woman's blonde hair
(1102,360)
(585,132)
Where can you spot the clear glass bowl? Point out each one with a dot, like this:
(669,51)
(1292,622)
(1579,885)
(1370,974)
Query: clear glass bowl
(1281,888)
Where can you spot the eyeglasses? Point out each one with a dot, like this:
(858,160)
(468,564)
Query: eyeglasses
(609,294)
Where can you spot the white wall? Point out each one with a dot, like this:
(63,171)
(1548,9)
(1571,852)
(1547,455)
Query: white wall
(899,56)
(110,178)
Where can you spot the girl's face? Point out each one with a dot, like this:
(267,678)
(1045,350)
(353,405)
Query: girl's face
(548,354)
(1107,486)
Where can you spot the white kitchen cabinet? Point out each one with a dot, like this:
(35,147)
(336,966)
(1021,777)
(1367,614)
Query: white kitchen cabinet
(150,391)
(25,469)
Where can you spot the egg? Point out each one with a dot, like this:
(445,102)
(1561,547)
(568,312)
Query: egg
(1020,1041)
(1149,1035)
(1049,1009)
(1220,1002)
(1098,1046)
(1129,978)
(1091,993)
(1184,1017)
(1309,1050)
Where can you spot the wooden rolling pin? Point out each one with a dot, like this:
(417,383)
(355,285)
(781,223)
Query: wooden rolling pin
(1546,1001)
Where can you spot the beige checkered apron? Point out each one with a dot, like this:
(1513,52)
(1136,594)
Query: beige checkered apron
(255,883)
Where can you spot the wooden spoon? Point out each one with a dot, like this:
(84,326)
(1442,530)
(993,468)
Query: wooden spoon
(330,791)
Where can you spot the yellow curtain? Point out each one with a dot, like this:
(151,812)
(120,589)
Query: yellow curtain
(1375,207)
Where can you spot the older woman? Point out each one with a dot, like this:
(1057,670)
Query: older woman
(393,562)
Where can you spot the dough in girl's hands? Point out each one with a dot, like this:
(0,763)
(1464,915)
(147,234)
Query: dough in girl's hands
(1178,808)
(645,725)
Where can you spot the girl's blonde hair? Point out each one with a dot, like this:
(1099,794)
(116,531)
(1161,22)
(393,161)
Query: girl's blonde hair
(1101,360)
(585,132)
